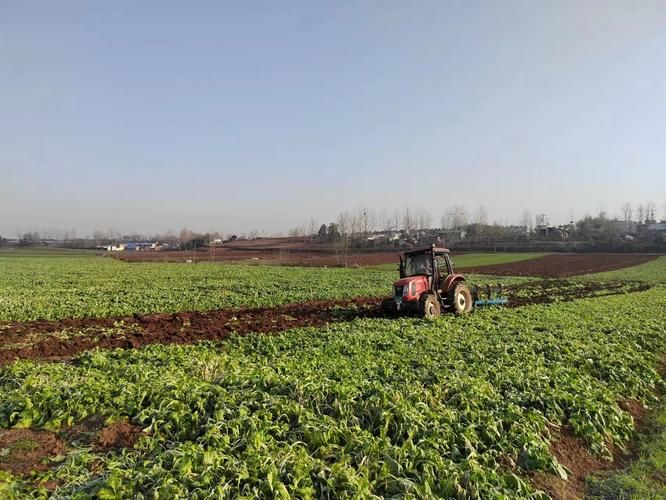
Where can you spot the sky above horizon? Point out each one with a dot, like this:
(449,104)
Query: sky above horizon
(218,116)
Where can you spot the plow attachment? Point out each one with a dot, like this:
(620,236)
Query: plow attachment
(488,296)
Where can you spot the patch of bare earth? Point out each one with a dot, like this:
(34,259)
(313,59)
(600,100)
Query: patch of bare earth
(571,452)
(563,265)
(93,432)
(117,435)
(23,450)
(173,328)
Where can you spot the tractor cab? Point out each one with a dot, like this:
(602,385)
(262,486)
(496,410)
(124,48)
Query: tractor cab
(427,262)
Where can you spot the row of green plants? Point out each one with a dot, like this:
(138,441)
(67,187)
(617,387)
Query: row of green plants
(460,407)
(653,272)
(34,288)
(57,288)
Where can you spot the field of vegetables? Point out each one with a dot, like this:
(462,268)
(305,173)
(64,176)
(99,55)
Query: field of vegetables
(34,288)
(464,407)
(47,288)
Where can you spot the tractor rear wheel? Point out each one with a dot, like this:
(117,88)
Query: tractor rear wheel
(429,307)
(461,299)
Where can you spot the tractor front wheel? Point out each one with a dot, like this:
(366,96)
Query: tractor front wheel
(461,299)
(388,308)
(429,306)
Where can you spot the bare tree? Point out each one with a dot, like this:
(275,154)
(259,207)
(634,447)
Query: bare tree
(481,215)
(458,217)
(408,221)
(368,221)
(343,242)
(423,219)
(385,223)
(640,211)
(446,219)
(650,211)
(627,211)
(526,221)
(312,228)
(354,225)
(395,221)
(389,225)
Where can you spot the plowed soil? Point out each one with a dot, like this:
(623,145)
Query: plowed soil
(563,265)
(118,435)
(56,340)
(571,452)
(28,450)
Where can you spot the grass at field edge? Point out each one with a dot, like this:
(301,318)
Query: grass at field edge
(645,477)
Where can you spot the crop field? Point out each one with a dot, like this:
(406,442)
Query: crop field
(46,288)
(98,398)
(653,272)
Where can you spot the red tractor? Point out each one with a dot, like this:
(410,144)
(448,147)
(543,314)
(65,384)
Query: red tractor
(429,284)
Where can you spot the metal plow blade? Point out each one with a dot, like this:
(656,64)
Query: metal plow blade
(489,295)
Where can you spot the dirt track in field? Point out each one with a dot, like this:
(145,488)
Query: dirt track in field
(62,339)
(58,339)
(563,265)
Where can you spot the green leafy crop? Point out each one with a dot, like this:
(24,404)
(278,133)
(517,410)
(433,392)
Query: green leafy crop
(57,288)
(458,407)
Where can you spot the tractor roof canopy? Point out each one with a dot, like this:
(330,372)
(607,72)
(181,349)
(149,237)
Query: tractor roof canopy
(437,251)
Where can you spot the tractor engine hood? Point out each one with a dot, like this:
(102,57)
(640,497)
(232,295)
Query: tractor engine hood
(411,288)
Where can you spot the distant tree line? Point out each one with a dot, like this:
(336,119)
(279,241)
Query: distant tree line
(366,229)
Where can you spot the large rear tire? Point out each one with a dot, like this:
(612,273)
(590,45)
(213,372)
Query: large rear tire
(461,299)
(429,307)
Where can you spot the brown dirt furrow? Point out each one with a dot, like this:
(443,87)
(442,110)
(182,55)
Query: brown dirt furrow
(50,340)
(563,265)
(57,340)
(571,451)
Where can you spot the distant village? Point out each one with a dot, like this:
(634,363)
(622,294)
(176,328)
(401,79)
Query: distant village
(597,233)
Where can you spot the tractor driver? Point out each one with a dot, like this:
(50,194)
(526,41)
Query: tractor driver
(423,265)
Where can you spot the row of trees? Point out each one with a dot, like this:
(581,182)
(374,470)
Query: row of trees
(365,221)
(644,213)
(360,224)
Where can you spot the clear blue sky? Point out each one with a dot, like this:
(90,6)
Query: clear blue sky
(149,116)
